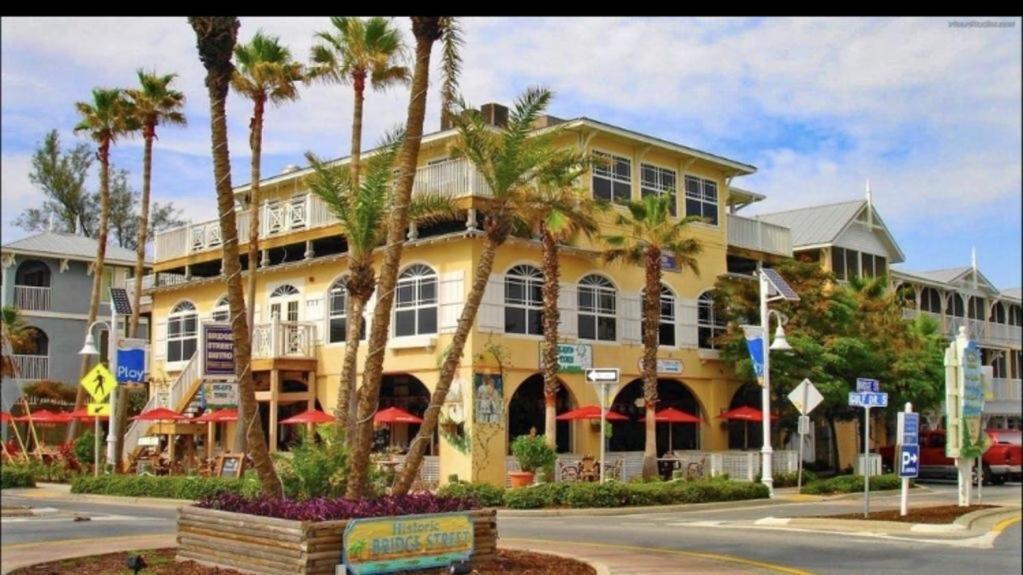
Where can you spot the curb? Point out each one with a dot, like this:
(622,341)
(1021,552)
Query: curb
(961,528)
(599,567)
(61,491)
(970,519)
(636,510)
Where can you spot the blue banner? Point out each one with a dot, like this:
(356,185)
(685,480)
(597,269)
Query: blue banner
(755,345)
(131,365)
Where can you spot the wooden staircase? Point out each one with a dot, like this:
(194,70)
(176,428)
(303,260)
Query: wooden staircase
(182,392)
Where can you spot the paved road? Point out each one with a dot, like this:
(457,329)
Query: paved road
(695,531)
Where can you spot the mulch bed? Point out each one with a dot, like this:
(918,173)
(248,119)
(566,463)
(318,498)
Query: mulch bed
(942,514)
(161,562)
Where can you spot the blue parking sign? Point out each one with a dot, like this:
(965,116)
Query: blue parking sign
(909,460)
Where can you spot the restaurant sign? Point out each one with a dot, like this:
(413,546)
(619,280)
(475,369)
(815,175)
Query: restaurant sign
(665,366)
(218,350)
(572,357)
(406,542)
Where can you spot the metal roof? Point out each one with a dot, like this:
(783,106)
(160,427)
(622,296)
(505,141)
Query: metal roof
(815,225)
(1013,292)
(61,245)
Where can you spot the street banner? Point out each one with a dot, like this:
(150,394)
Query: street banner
(755,345)
(572,357)
(131,361)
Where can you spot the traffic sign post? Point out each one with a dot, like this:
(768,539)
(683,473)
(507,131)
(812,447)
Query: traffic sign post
(605,378)
(805,397)
(99,382)
(908,453)
(866,397)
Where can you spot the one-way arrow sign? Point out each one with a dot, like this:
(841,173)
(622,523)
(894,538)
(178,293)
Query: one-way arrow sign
(602,375)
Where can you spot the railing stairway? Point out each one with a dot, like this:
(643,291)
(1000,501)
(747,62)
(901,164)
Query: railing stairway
(182,393)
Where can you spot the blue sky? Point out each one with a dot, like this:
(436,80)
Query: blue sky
(931,114)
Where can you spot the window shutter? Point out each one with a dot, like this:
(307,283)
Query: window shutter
(568,306)
(490,316)
(686,332)
(452,300)
(630,317)
(160,340)
(314,313)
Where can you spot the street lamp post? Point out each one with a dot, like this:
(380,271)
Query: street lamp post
(779,344)
(89,348)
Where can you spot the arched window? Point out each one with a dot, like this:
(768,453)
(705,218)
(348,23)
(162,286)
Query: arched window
(955,306)
(666,329)
(523,300)
(34,342)
(597,307)
(415,307)
(975,307)
(182,327)
(997,313)
(930,300)
(32,273)
(1015,315)
(221,311)
(338,294)
(707,321)
(285,297)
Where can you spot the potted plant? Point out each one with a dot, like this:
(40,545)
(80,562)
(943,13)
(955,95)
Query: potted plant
(532,453)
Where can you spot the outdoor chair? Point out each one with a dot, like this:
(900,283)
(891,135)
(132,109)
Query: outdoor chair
(589,469)
(614,469)
(568,471)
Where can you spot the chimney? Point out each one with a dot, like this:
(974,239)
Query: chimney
(445,120)
(495,114)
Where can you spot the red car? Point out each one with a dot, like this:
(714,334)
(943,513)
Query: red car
(1002,459)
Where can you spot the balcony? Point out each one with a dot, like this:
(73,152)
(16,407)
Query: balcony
(984,332)
(1006,395)
(453,178)
(759,236)
(283,339)
(32,298)
(31,366)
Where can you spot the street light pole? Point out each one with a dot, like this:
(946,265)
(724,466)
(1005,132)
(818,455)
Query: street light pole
(90,349)
(765,390)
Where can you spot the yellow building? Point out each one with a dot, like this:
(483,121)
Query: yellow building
(299,330)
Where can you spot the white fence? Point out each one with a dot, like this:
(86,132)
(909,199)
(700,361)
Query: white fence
(31,366)
(985,332)
(283,339)
(32,298)
(759,236)
(739,465)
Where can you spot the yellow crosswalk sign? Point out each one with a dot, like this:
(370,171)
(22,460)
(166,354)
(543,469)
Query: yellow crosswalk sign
(98,409)
(99,382)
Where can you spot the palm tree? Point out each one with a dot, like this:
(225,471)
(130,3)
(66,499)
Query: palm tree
(15,335)
(105,119)
(265,73)
(427,30)
(362,212)
(153,103)
(215,40)
(451,66)
(510,161)
(558,210)
(354,51)
(650,231)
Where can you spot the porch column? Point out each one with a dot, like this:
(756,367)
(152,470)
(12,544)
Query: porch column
(919,294)
(310,385)
(309,253)
(275,391)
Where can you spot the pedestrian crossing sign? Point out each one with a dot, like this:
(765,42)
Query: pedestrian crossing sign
(99,382)
(98,409)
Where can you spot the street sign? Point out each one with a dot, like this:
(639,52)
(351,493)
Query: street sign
(867,399)
(99,382)
(909,460)
(602,375)
(909,428)
(98,409)
(804,425)
(871,385)
(131,365)
(805,391)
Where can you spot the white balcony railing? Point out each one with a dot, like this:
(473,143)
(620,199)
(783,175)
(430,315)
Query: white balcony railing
(759,236)
(32,298)
(31,366)
(454,178)
(1005,389)
(283,339)
(984,332)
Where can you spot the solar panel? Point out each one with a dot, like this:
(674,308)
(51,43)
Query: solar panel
(119,298)
(779,284)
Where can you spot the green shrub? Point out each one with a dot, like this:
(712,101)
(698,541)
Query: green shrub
(538,496)
(610,494)
(791,478)
(852,484)
(483,493)
(314,468)
(616,494)
(169,487)
(12,476)
(533,453)
(85,448)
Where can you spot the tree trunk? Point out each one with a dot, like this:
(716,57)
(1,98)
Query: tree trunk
(359,85)
(837,461)
(651,322)
(216,38)
(427,31)
(403,482)
(347,402)
(97,274)
(551,276)
(256,145)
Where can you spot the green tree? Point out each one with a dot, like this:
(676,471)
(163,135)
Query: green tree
(60,176)
(124,209)
(265,73)
(215,39)
(650,232)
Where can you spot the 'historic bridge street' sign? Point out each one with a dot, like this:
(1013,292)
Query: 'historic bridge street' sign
(388,544)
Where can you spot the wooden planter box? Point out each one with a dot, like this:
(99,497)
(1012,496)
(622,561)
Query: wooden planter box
(270,546)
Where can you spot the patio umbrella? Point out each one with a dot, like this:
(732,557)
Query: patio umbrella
(159,414)
(211,418)
(311,416)
(590,412)
(671,416)
(746,414)
(83,415)
(8,418)
(394,415)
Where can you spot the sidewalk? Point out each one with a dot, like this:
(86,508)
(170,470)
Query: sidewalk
(25,554)
(629,560)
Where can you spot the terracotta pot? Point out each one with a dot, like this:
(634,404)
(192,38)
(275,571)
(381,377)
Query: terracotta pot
(521,478)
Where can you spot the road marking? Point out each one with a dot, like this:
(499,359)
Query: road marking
(773,521)
(1004,524)
(698,554)
(86,540)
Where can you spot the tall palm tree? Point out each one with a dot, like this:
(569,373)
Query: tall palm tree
(362,212)
(650,231)
(153,103)
(427,30)
(558,211)
(265,73)
(105,119)
(510,162)
(215,40)
(451,66)
(355,51)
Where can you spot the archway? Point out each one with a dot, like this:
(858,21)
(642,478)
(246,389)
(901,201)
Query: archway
(406,392)
(746,434)
(32,273)
(526,412)
(631,435)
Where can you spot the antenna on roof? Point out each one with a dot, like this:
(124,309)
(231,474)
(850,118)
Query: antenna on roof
(973,264)
(870,205)
(49,225)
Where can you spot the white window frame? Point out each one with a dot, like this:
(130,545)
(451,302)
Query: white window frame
(417,275)
(704,183)
(221,311)
(529,281)
(608,173)
(659,187)
(670,301)
(338,287)
(179,315)
(713,323)
(280,295)
(595,283)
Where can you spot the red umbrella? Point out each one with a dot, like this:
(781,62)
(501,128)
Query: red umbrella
(219,416)
(670,415)
(395,415)
(44,416)
(311,416)
(5,417)
(83,415)
(159,414)
(590,412)
(747,414)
